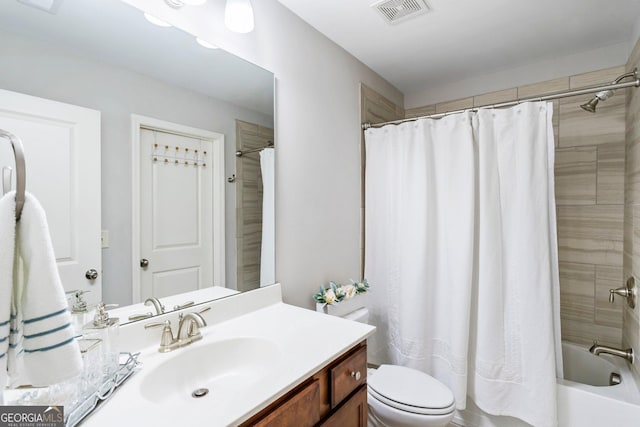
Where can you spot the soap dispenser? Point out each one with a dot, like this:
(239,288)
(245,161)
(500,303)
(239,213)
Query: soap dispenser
(80,313)
(106,329)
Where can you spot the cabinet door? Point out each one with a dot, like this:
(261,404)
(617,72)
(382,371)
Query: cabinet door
(352,414)
(300,410)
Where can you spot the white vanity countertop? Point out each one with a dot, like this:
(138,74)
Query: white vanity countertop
(306,341)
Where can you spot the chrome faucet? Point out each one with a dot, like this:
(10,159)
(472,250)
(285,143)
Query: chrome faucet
(156,304)
(625,354)
(189,328)
(188,331)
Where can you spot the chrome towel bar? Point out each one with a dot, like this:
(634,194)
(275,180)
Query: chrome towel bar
(21,175)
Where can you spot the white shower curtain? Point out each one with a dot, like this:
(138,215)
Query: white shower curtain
(268,249)
(461,255)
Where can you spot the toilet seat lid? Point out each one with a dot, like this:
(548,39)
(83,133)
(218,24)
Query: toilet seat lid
(410,390)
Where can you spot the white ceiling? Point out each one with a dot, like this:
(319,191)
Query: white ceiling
(460,39)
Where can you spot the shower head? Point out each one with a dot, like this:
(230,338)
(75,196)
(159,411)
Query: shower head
(591,105)
(600,96)
(606,94)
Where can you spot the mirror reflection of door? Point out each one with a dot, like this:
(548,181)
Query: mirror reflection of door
(62,158)
(178,198)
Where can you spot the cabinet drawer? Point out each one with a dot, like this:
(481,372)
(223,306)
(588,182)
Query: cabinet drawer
(348,375)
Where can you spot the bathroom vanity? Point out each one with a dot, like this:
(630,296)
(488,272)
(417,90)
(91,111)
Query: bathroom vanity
(337,395)
(260,362)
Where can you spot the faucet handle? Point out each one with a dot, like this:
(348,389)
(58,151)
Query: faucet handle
(623,292)
(184,305)
(167,341)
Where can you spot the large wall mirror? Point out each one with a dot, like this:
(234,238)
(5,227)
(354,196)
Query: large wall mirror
(163,200)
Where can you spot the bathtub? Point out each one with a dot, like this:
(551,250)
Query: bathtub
(585,398)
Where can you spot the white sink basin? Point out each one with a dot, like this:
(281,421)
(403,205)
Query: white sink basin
(214,369)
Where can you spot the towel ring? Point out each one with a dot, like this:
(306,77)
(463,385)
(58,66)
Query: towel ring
(21,175)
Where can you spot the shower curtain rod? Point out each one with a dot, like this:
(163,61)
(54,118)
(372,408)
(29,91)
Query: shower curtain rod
(241,153)
(552,96)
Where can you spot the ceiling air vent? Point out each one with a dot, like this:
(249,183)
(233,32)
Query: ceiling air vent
(394,11)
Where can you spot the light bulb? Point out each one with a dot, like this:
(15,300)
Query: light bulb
(238,16)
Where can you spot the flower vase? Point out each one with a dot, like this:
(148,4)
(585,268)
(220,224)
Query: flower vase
(343,307)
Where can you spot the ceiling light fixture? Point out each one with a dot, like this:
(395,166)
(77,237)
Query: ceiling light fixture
(156,21)
(238,16)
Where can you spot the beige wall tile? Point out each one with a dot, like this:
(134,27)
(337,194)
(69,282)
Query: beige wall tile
(608,277)
(575,176)
(458,104)
(584,333)
(543,88)
(556,122)
(577,127)
(610,189)
(590,251)
(420,111)
(632,178)
(594,78)
(249,204)
(375,108)
(634,58)
(631,258)
(577,284)
(628,231)
(595,222)
(495,97)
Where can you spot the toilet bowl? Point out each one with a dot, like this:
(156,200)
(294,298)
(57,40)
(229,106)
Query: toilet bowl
(403,397)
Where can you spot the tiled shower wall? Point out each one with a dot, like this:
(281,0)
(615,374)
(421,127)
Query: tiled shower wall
(589,175)
(631,336)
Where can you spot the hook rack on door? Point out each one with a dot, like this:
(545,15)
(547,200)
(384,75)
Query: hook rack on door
(168,156)
(21,173)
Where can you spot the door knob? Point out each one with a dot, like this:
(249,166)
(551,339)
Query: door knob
(91,274)
(144,263)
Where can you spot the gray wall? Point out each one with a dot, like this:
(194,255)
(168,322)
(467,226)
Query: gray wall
(46,71)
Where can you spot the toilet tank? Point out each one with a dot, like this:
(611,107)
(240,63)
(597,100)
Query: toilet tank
(353,309)
(361,315)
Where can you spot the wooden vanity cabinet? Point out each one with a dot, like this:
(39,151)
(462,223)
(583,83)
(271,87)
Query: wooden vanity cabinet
(336,396)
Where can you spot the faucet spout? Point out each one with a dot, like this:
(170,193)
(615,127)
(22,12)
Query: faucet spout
(189,328)
(156,304)
(626,354)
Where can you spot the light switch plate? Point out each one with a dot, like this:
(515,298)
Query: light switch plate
(104,239)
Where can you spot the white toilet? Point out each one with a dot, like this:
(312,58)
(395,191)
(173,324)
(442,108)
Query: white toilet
(405,397)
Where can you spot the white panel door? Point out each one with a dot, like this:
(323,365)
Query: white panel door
(62,156)
(176,213)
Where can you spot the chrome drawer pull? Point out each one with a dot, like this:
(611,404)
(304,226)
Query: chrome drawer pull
(356,375)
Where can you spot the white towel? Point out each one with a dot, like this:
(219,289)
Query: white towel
(44,350)
(7,249)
